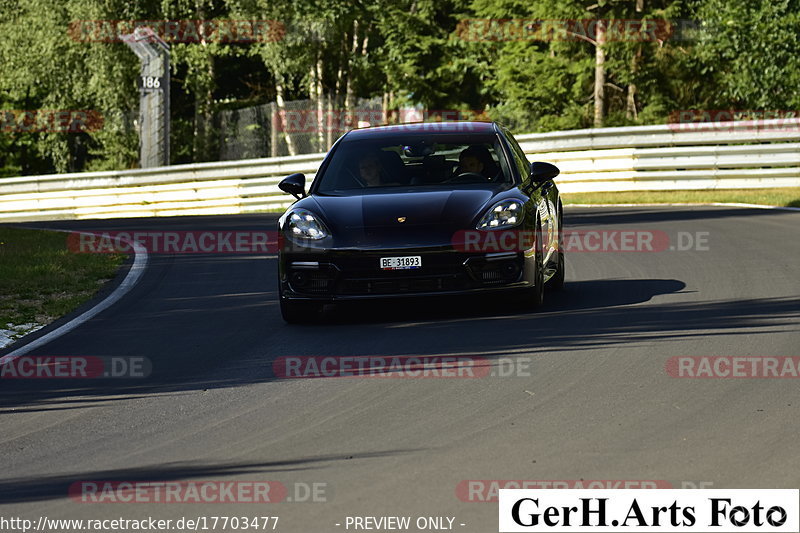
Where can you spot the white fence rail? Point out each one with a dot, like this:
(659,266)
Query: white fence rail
(722,155)
(675,157)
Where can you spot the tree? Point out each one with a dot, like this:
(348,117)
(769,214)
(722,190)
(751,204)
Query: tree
(47,66)
(752,52)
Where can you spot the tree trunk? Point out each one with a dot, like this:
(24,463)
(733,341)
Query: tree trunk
(630,108)
(207,110)
(630,112)
(330,119)
(349,96)
(204,95)
(339,102)
(281,103)
(273,130)
(389,113)
(320,105)
(600,75)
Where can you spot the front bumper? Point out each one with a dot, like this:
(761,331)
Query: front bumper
(339,275)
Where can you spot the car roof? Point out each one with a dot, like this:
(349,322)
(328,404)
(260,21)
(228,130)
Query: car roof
(445,128)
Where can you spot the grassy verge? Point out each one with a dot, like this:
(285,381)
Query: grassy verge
(784,197)
(41,280)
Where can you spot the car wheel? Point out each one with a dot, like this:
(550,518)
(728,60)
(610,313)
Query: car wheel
(535,296)
(299,312)
(556,283)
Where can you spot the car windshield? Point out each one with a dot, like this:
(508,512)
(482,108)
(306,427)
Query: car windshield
(399,162)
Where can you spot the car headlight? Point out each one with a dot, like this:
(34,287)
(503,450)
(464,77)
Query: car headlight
(305,225)
(502,215)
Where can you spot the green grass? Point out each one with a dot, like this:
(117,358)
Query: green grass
(41,280)
(785,197)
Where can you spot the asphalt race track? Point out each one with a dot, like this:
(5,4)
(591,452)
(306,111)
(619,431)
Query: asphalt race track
(589,397)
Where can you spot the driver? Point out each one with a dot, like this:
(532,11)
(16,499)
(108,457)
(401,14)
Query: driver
(369,169)
(478,160)
(374,170)
(468,162)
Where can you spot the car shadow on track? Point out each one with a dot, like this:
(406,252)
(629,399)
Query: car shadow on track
(587,294)
(587,315)
(29,489)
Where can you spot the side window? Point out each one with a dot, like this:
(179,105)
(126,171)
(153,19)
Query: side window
(519,156)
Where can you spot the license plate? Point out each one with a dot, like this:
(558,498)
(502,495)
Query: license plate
(401,263)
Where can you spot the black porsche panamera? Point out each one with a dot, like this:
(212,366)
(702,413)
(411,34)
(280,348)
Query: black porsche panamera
(420,210)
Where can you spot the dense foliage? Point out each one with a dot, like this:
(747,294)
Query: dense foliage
(479,55)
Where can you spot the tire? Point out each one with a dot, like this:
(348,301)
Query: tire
(299,312)
(534,297)
(556,283)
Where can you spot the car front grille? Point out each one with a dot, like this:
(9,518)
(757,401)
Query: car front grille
(357,275)
(402,285)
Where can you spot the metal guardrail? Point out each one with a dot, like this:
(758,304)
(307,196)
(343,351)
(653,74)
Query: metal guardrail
(665,157)
(228,187)
(721,155)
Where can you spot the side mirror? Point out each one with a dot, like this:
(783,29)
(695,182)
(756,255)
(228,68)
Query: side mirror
(294,184)
(541,172)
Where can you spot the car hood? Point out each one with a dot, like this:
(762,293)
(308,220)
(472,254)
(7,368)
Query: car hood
(401,219)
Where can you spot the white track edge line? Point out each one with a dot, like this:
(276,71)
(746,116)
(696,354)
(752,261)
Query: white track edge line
(140,263)
(131,279)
